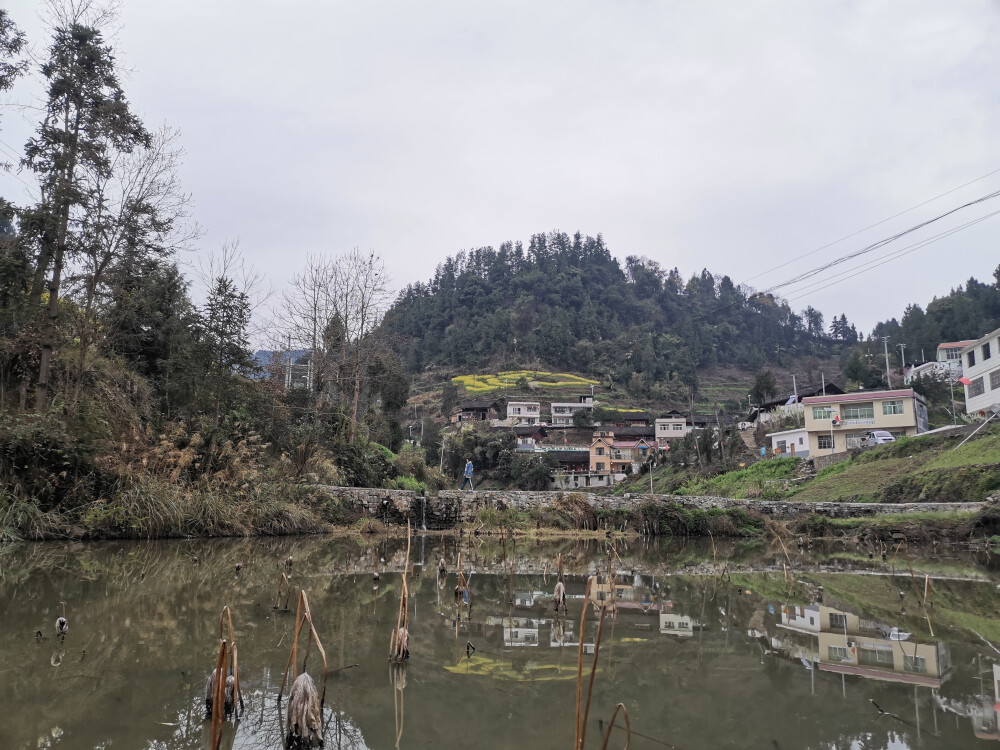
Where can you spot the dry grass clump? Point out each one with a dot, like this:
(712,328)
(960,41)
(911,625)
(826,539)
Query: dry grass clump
(579,510)
(155,509)
(20,520)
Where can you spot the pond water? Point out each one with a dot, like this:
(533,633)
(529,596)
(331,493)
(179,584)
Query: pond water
(728,647)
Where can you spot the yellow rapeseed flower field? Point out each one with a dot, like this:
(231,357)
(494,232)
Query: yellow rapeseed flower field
(508,378)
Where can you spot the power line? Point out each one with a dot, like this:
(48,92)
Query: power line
(882,260)
(876,245)
(872,226)
(899,254)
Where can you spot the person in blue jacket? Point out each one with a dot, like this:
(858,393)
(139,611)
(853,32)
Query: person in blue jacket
(468,475)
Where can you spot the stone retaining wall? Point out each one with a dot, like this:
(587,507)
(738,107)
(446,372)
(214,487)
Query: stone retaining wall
(453,506)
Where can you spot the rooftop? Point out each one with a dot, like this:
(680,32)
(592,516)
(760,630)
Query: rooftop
(955,344)
(465,405)
(862,396)
(970,344)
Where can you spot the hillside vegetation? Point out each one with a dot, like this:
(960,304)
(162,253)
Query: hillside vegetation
(569,305)
(910,470)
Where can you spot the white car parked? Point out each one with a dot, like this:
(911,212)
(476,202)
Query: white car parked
(876,437)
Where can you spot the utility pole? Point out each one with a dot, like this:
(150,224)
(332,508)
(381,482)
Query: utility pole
(888,379)
(902,356)
(288,366)
(795,394)
(951,392)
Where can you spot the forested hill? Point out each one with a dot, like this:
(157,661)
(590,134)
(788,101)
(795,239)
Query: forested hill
(968,312)
(567,303)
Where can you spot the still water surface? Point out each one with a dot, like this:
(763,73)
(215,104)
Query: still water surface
(706,650)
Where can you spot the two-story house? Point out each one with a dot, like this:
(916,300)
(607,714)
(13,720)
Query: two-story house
(609,454)
(950,353)
(561,412)
(671,426)
(981,362)
(948,363)
(523,413)
(837,423)
(850,644)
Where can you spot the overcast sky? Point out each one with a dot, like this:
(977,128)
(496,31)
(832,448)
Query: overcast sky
(729,135)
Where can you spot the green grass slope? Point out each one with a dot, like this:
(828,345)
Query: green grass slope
(920,469)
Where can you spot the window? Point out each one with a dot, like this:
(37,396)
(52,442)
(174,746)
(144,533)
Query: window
(825,442)
(859,411)
(971,357)
(995,379)
(599,452)
(600,466)
(678,427)
(914,664)
(800,441)
(681,625)
(838,621)
(977,388)
(821,412)
(892,407)
(875,655)
(836,653)
(986,351)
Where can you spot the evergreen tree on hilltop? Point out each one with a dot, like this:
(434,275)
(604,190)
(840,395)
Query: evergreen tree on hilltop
(966,312)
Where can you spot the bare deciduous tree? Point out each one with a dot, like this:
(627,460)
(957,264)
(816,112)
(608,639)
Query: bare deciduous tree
(362,299)
(333,310)
(137,210)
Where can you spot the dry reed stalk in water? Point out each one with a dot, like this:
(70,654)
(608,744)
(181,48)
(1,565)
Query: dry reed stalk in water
(593,671)
(237,691)
(303,614)
(283,585)
(611,725)
(218,696)
(396,647)
(579,665)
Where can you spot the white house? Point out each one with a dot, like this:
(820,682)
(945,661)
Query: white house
(948,363)
(523,413)
(671,426)
(981,362)
(790,443)
(562,411)
(803,618)
(950,353)
(679,625)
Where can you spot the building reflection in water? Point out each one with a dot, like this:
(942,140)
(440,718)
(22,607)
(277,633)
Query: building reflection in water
(846,643)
